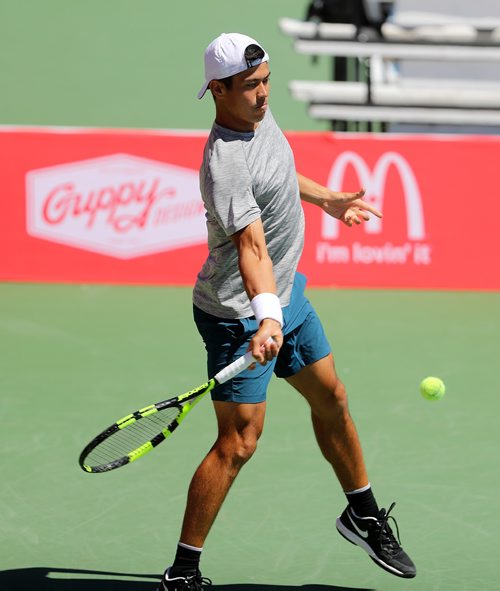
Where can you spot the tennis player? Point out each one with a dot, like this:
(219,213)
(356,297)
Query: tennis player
(248,290)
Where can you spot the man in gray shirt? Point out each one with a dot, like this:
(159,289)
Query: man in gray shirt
(249,296)
(256,167)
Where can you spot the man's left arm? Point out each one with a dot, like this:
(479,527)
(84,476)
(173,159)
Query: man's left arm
(350,208)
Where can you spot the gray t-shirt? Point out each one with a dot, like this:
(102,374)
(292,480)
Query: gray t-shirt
(244,177)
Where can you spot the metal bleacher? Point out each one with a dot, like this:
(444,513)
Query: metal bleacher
(380,94)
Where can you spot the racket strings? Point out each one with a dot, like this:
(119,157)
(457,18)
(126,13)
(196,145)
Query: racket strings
(129,438)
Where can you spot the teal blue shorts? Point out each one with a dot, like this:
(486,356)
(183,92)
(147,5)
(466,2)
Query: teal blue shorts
(227,339)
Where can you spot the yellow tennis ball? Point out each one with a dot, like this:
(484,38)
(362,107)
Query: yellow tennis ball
(432,388)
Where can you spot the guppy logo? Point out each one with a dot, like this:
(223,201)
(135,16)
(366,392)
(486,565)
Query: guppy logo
(121,206)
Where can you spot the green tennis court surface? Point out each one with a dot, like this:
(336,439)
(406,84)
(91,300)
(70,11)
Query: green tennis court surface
(75,358)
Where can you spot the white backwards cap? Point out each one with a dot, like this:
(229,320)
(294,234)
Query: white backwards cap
(225,56)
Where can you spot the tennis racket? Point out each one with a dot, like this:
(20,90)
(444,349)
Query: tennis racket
(138,433)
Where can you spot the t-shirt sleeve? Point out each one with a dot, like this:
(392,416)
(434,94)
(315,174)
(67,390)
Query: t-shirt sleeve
(228,191)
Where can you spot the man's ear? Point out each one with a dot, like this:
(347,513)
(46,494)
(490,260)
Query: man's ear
(217,88)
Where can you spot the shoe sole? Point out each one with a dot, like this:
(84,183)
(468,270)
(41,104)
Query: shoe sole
(357,541)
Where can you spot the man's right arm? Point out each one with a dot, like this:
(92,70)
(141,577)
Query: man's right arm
(256,269)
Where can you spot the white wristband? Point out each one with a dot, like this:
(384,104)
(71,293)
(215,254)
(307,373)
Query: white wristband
(267,305)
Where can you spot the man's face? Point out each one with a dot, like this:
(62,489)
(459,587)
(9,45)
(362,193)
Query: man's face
(243,106)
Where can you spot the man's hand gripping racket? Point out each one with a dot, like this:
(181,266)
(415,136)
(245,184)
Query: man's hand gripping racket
(141,431)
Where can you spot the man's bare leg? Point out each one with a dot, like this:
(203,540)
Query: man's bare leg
(333,426)
(239,426)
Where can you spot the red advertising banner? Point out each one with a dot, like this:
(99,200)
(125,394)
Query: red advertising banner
(110,206)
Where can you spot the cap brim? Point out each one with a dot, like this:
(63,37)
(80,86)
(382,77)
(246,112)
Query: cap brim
(203,90)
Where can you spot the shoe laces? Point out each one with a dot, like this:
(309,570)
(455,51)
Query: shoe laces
(387,540)
(195,582)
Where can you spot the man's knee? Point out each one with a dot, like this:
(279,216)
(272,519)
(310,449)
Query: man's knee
(245,448)
(240,426)
(238,448)
(332,405)
(339,395)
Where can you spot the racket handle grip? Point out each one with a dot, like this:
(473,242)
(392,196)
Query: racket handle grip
(236,367)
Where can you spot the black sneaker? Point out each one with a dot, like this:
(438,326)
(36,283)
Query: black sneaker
(185,582)
(374,535)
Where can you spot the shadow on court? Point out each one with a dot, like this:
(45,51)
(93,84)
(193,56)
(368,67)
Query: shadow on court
(63,579)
